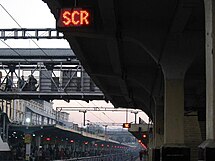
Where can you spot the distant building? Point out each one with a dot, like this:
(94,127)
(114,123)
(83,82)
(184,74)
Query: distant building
(63,118)
(7,107)
(95,128)
(38,112)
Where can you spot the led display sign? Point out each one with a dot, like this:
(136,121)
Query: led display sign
(126,125)
(74,17)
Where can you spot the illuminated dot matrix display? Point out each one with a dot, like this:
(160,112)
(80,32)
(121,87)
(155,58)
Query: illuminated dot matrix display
(74,17)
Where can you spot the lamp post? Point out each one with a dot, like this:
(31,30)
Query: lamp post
(58,111)
(27,141)
(84,111)
(135,113)
(105,131)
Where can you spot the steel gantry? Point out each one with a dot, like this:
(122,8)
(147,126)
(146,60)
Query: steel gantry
(34,33)
(57,74)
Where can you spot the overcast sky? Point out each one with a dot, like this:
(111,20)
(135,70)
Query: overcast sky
(36,14)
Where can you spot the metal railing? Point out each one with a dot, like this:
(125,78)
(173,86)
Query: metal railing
(64,84)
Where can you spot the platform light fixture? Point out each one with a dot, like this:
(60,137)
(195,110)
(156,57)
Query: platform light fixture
(28,120)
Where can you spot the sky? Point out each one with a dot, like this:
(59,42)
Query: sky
(36,14)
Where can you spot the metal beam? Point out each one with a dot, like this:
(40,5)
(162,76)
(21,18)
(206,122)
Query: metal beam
(24,33)
(86,96)
(35,53)
(97,109)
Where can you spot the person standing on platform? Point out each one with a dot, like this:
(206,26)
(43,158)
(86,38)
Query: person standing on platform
(32,83)
(9,83)
(21,82)
(141,155)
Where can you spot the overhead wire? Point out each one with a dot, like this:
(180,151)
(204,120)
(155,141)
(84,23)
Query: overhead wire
(108,117)
(103,112)
(21,27)
(10,15)
(13,50)
(92,113)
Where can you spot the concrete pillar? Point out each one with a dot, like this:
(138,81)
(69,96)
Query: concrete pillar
(174,72)
(159,124)
(210,69)
(174,112)
(158,130)
(192,134)
(207,148)
(174,148)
